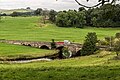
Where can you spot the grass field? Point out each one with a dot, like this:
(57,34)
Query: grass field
(91,67)
(8,51)
(14,10)
(29,28)
(100,66)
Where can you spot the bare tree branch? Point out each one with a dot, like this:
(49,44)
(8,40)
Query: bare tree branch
(100,2)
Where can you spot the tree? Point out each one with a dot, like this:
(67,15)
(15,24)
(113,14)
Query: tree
(94,21)
(15,14)
(89,17)
(45,14)
(81,19)
(52,15)
(81,9)
(53,44)
(105,16)
(28,8)
(89,46)
(71,18)
(62,19)
(38,11)
(4,14)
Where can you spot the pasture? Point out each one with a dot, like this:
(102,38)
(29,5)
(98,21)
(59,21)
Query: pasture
(8,51)
(32,29)
(91,67)
(14,10)
(99,66)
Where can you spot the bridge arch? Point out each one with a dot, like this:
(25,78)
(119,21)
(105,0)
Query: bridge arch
(44,47)
(60,47)
(23,44)
(29,45)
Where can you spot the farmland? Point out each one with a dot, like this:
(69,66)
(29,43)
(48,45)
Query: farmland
(99,66)
(14,10)
(8,51)
(92,67)
(32,28)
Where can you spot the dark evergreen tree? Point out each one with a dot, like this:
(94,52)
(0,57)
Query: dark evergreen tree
(53,44)
(89,46)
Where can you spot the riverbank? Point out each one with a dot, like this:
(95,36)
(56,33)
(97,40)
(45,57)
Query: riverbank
(27,61)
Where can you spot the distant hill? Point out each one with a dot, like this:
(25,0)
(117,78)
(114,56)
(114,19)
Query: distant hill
(15,10)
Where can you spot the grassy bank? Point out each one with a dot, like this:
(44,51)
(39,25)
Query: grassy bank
(31,28)
(8,51)
(91,67)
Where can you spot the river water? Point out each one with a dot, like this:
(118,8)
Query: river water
(27,61)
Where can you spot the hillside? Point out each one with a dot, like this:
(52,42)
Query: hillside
(15,10)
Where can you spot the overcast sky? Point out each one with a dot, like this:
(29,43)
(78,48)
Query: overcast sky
(49,4)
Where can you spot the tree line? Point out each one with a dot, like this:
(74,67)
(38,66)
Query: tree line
(107,15)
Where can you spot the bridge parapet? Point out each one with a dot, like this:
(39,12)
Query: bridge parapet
(73,47)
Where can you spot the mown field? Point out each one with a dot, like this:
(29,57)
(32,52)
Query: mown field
(99,66)
(30,28)
(8,51)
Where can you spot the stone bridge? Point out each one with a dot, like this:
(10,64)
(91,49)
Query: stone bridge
(73,47)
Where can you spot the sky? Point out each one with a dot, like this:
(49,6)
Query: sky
(49,4)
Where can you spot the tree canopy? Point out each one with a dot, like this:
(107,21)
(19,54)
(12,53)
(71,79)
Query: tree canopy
(107,15)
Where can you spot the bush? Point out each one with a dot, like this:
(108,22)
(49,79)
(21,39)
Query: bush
(89,46)
(117,35)
(110,41)
(103,42)
(117,47)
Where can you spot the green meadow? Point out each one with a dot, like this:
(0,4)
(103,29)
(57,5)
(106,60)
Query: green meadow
(32,29)
(8,51)
(94,67)
(100,66)
(15,10)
